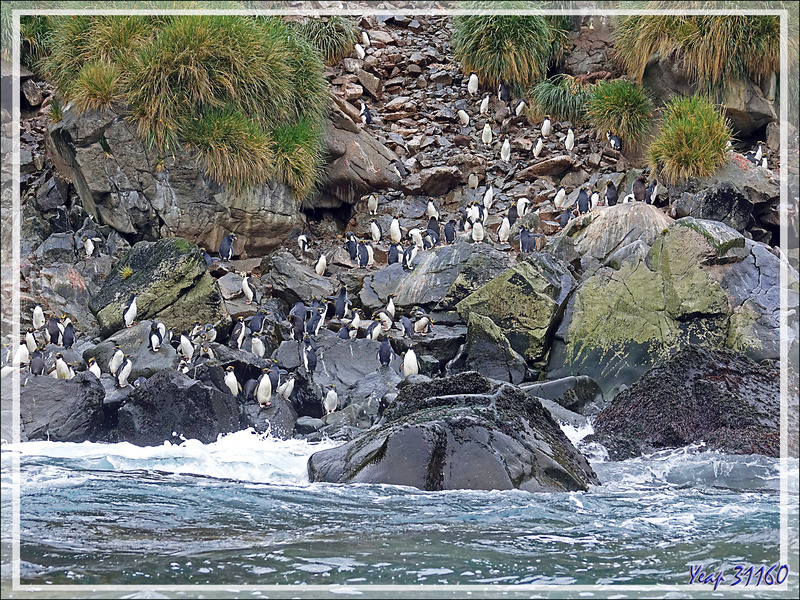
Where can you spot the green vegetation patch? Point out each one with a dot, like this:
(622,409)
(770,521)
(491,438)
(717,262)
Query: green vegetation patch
(334,37)
(622,108)
(563,97)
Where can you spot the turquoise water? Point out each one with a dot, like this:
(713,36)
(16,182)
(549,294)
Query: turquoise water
(241,512)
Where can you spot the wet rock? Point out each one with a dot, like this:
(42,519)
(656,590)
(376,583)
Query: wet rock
(573,393)
(58,248)
(293,281)
(278,419)
(460,433)
(713,396)
(61,410)
(487,351)
(723,202)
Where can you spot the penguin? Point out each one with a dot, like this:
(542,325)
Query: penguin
(546,127)
(759,153)
(519,107)
(512,215)
(37,364)
(226,247)
(298,326)
(505,151)
(385,318)
(249,389)
(416,235)
(410,364)
(652,192)
(522,207)
(360,52)
(450,231)
(385,352)
(399,168)
(257,322)
(309,356)
(363,255)
(390,308)
(185,346)
(331,401)
(68,336)
(484,107)
(166,335)
(286,388)
(614,141)
(247,288)
(569,143)
(231,382)
(504,93)
(370,254)
(431,238)
(611,194)
(764,163)
(372,204)
(129,314)
(116,360)
(351,245)
(472,180)
(30,341)
(433,225)
(196,332)
(504,230)
(583,201)
(341,303)
(365,41)
(594,199)
(54,330)
(38,317)
(526,241)
(315,321)
(537,150)
(473,84)
(565,218)
(264,389)
(88,244)
(409,255)
(302,243)
(639,190)
(154,338)
(356,322)
(431,210)
(237,335)
(486,138)
(210,333)
(322,265)
(374,329)
(347,332)
(488,197)
(560,198)
(122,374)
(257,346)
(408,326)
(394,230)
(375,230)
(206,257)
(22,356)
(463,117)
(366,115)
(423,323)
(477,231)
(394,254)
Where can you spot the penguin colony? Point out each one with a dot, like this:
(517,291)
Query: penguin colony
(307,320)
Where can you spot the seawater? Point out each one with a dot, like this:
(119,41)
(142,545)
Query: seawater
(241,511)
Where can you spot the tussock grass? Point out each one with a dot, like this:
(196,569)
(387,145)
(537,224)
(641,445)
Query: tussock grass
(35,32)
(333,37)
(219,84)
(692,140)
(713,50)
(621,107)
(562,97)
(298,159)
(512,48)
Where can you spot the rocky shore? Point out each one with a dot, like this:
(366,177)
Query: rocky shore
(662,321)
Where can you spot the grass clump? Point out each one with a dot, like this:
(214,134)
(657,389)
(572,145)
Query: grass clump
(622,108)
(692,141)
(297,159)
(219,85)
(713,50)
(333,37)
(563,97)
(517,49)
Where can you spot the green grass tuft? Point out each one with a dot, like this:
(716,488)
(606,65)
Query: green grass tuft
(622,108)
(333,37)
(692,141)
(713,50)
(512,48)
(97,86)
(298,155)
(56,109)
(562,97)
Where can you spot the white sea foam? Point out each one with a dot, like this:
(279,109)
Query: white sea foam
(243,455)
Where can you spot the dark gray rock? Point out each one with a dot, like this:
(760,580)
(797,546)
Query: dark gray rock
(278,419)
(59,247)
(305,425)
(460,433)
(293,281)
(724,202)
(573,393)
(487,351)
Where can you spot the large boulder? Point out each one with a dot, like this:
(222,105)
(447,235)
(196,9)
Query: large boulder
(573,393)
(171,283)
(170,407)
(294,281)
(487,351)
(460,432)
(61,410)
(714,396)
(723,202)
(128,186)
(524,302)
(701,283)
